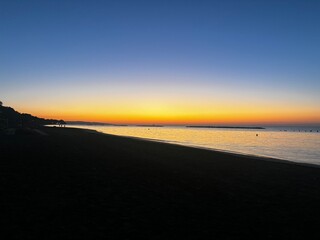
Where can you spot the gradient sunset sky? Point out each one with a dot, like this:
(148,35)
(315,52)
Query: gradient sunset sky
(162,62)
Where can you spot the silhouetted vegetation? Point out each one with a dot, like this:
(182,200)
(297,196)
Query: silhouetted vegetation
(9,118)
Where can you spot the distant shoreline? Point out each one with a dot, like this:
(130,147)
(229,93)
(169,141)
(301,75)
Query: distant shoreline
(197,146)
(280,127)
(146,125)
(71,123)
(227,127)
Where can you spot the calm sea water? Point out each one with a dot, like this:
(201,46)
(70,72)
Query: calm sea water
(296,144)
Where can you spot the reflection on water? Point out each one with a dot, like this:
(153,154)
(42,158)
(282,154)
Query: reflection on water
(290,144)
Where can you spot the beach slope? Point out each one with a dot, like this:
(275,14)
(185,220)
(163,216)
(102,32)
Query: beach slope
(80,184)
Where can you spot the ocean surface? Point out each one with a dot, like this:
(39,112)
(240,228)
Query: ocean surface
(297,144)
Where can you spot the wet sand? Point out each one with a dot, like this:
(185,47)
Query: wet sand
(79,184)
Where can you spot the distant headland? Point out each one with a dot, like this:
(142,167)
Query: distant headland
(151,125)
(231,127)
(93,123)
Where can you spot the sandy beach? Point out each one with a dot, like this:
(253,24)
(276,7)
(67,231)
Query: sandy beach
(78,184)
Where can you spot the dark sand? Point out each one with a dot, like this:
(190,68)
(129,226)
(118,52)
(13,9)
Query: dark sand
(76,184)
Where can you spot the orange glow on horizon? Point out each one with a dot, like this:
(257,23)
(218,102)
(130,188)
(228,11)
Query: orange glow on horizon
(180,112)
(162,102)
(216,118)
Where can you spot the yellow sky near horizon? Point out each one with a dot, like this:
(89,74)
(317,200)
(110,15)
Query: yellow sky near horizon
(178,113)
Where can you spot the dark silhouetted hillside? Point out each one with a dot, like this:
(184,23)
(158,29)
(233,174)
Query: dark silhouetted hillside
(13,119)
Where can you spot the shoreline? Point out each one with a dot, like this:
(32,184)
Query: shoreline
(226,127)
(235,154)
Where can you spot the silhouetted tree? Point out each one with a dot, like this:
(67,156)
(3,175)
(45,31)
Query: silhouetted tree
(3,121)
(14,119)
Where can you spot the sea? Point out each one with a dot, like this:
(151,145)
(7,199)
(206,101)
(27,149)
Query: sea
(296,144)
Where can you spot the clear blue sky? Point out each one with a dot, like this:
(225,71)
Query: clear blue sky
(269,47)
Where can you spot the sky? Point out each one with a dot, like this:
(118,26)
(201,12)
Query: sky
(162,62)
